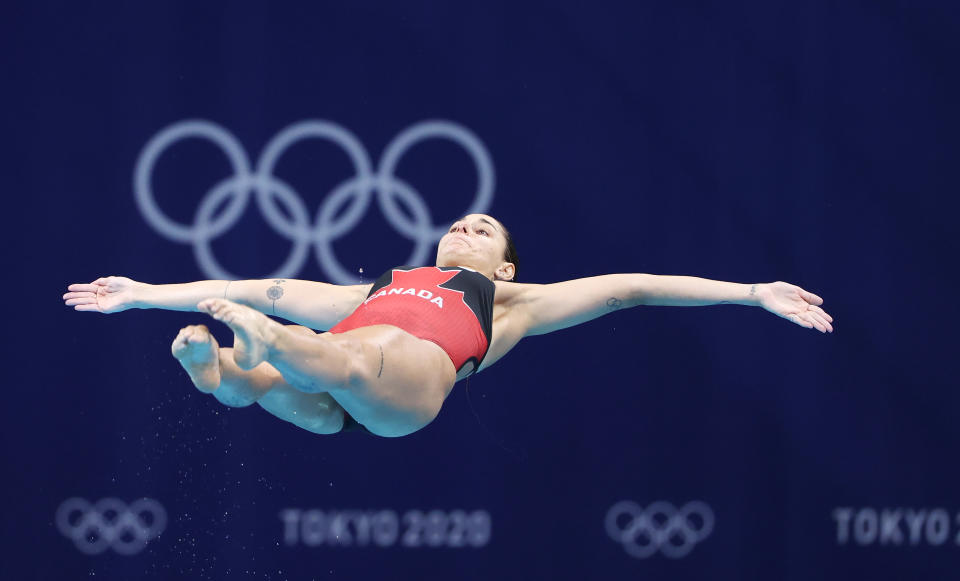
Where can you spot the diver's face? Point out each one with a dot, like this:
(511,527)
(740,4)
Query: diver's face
(476,241)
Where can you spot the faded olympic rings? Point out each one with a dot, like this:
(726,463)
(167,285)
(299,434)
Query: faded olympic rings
(356,191)
(661,527)
(111,524)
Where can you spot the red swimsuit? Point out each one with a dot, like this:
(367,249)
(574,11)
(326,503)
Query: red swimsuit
(450,306)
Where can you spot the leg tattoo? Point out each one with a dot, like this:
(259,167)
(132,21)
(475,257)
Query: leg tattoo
(381,360)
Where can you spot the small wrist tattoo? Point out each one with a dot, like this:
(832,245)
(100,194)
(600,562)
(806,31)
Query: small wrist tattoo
(753,290)
(614,303)
(275,292)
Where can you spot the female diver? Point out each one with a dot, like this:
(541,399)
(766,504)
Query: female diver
(395,348)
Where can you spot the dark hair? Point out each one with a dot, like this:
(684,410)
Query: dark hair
(510,254)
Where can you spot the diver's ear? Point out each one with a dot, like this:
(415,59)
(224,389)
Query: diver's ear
(505,271)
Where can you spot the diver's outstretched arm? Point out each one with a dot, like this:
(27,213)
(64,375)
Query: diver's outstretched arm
(312,304)
(550,307)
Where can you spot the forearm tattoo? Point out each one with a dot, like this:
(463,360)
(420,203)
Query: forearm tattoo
(614,303)
(275,292)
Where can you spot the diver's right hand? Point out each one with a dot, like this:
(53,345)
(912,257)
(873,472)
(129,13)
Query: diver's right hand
(110,294)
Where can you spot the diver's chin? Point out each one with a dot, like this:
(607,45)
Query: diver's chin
(452,258)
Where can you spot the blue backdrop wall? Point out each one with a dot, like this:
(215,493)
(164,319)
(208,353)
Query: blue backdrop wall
(745,141)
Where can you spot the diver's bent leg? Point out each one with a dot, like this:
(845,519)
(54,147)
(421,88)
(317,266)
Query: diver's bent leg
(314,412)
(309,363)
(390,381)
(321,363)
(213,370)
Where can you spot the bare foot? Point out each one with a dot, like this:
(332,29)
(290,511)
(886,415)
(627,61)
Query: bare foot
(198,352)
(252,330)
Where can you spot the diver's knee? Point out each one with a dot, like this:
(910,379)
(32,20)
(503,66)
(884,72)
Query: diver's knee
(362,363)
(329,422)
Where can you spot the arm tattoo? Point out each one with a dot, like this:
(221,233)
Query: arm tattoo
(275,292)
(614,303)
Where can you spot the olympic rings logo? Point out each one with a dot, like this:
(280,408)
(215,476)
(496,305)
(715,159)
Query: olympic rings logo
(661,527)
(356,191)
(111,524)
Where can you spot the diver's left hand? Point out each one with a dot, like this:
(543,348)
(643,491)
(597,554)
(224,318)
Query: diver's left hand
(795,304)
